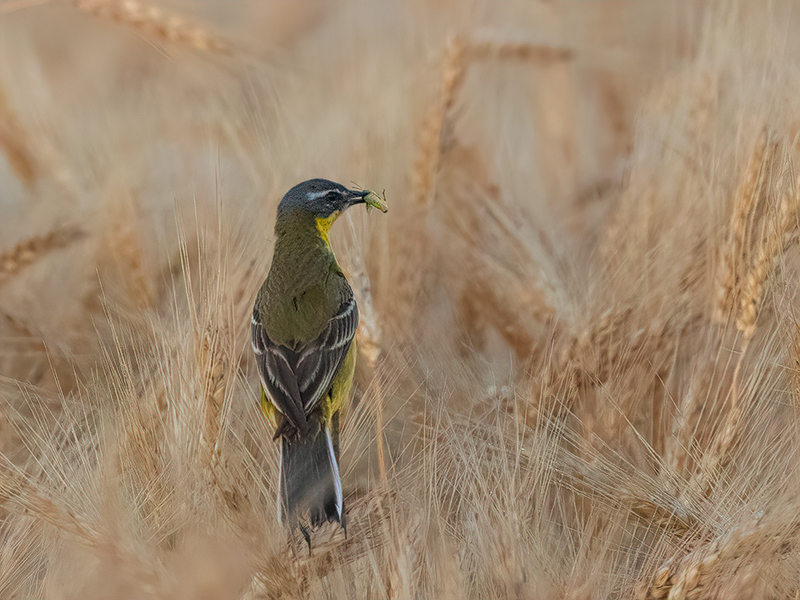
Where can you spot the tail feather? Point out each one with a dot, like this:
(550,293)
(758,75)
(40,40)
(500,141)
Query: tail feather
(337,482)
(310,488)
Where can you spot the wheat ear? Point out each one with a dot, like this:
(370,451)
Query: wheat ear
(697,575)
(29,250)
(732,251)
(431,138)
(776,241)
(522,51)
(152,20)
(15,143)
(212,364)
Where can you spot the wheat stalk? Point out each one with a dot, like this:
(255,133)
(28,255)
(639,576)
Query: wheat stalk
(369,343)
(776,241)
(18,492)
(15,143)
(212,364)
(510,305)
(17,488)
(747,197)
(29,250)
(433,136)
(124,237)
(635,495)
(522,51)
(684,426)
(699,573)
(457,55)
(150,19)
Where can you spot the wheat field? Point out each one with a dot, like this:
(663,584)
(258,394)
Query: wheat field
(579,367)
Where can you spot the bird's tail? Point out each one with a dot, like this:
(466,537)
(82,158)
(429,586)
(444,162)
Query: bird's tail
(310,488)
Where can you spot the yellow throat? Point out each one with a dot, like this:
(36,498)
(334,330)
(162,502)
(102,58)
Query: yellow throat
(324,226)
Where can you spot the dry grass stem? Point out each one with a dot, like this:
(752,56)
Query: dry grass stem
(537,53)
(578,366)
(435,130)
(150,19)
(727,565)
(212,364)
(776,241)
(32,249)
(15,144)
(734,251)
(369,349)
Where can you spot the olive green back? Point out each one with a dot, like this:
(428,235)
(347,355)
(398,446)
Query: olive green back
(305,286)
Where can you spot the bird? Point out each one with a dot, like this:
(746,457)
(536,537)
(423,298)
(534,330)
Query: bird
(303,328)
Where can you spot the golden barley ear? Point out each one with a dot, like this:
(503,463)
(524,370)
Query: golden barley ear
(15,143)
(729,564)
(122,258)
(749,193)
(213,371)
(781,233)
(521,51)
(151,20)
(20,493)
(433,133)
(32,249)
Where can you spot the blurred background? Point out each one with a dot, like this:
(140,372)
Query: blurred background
(578,337)
(123,120)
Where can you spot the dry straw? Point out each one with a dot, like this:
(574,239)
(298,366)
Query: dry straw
(32,249)
(729,563)
(15,143)
(776,241)
(522,51)
(733,252)
(369,347)
(212,367)
(125,246)
(613,347)
(437,132)
(150,19)
(432,135)
(215,372)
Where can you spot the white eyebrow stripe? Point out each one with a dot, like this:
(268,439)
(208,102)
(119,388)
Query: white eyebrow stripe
(315,195)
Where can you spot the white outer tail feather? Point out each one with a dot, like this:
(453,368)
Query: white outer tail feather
(336,479)
(280,487)
(335,466)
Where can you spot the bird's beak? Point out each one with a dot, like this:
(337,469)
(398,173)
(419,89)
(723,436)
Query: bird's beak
(370,198)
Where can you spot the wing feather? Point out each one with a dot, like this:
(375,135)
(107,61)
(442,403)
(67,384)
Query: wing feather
(321,359)
(275,368)
(297,380)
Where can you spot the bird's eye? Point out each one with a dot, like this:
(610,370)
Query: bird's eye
(331,197)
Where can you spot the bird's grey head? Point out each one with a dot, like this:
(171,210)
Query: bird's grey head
(320,197)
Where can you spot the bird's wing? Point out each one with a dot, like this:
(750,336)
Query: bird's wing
(318,361)
(296,381)
(276,369)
